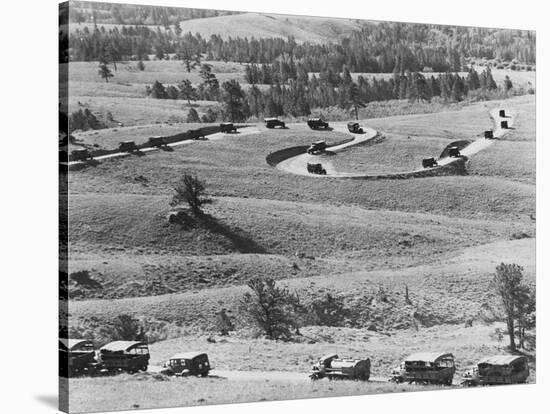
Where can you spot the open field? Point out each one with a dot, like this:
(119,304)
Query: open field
(233,353)
(363,241)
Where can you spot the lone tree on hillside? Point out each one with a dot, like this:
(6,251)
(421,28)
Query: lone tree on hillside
(517,300)
(191,190)
(105,72)
(271,308)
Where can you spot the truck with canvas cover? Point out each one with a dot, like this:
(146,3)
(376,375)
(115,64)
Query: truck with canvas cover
(429,162)
(80,155)
(126,356)
(76,357)
(426,368)
(317,123)
(227,127)
(157,141)
(354,127)
(498,369)
(187,364)
(317,147)
(274,122)
(316,169)
(332,367)
(127,146)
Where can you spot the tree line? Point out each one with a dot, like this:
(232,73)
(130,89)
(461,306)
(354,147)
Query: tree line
(381,48)
(304,92)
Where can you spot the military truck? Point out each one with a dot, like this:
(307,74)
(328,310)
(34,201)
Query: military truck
(504,124)
(354,127)
(76,357)
(426,368)
(454,152)
(332,367)
(157,141)
(227,127)
(496,370)
(317,147)
(316,169)
(127,146)
(317,123)
(80,155)
(187,364)
(502,113)
(274,122)
(429,162)
(124,356)
(488,134)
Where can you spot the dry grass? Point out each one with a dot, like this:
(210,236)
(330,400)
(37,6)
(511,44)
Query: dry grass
(150,390)
(303,29)
(110,138)
(147,391)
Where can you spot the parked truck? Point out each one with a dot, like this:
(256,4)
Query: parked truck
(426,368)
(333,367)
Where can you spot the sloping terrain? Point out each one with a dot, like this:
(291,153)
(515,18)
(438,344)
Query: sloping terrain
(306,29)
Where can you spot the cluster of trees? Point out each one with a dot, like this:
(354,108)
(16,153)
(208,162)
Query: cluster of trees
(302,92)
(84,120)
(379,48)
(135,14)
(518,301)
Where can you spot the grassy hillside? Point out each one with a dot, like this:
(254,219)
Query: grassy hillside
(308,29)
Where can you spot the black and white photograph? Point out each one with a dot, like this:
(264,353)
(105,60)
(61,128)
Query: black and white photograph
(257,206)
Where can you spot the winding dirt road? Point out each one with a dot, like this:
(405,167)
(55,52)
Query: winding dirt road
(212,137)
(298,164)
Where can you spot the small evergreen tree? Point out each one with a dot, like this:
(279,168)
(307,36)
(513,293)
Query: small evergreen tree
(187,91)
(271,308)
(192,191)
(105,72)
(193,116)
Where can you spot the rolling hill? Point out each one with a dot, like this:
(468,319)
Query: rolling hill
(303,29)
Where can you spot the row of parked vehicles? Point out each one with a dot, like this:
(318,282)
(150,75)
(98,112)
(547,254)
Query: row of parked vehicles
(429,368)
(83,154)
(78,357)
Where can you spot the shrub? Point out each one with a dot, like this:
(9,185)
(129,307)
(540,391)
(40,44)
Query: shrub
(273,309)
(128,329)
(192,191)
(329,311)
(193,116)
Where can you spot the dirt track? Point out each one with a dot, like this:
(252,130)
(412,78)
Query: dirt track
(274,376)
(298,164)
(213,137)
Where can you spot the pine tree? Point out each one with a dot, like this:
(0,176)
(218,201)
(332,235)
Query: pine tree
(508,83)
(234,101)
(508,283)
(187,91)
(105,72)
(193,116)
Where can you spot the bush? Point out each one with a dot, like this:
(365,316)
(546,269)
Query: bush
(329,311)
(127,328)
(193,116)
(271,308)
(192,191)
(84,120)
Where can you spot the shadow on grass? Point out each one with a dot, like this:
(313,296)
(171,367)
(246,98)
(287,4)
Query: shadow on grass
(240,241)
